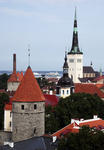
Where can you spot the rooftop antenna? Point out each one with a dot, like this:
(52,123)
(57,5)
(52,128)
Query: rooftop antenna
(29,55)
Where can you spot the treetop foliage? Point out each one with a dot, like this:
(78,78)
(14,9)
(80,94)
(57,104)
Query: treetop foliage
(78,105)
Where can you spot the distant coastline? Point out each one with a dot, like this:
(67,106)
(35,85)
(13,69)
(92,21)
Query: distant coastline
(37,73)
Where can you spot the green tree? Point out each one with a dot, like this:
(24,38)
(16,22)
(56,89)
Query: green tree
(79,105)
(3,81)
(4,98)
(86,139)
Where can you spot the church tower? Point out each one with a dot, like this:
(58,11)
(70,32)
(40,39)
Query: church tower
(65,86)
(75,56)
(28,109)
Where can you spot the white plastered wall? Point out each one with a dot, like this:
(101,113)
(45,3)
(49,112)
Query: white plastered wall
(12,86)
(7,120)
(75,68)
(65,92)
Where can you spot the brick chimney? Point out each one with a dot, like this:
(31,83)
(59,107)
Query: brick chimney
(14,62)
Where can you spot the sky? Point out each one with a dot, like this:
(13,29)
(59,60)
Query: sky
(46,27)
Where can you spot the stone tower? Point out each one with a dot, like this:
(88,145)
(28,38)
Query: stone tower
(28,109)
(75,56)
(65,86)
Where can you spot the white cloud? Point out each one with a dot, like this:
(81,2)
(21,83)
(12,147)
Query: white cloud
(33,2)
(21,13)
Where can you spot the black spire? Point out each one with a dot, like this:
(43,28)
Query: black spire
(65,81)
(75,46)
(65,66)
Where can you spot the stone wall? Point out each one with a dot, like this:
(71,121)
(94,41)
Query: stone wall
(5,136)
(28,121)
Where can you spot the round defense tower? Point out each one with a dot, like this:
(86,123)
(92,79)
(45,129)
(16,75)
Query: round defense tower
(28,109)
(28,120)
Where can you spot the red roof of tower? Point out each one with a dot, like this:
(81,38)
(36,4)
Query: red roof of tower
(28,90)
(13,77)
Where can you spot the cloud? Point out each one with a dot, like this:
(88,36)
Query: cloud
(34,2)
(22,13)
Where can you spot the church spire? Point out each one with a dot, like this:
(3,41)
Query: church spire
(65,66)
(75,46)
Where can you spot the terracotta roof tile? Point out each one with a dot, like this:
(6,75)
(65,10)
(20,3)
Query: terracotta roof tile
(94,123)
(8,106)
(13,77)
(74,127)
(51,100)
(28,89)
(88,88)
(98,78)
(100,86)
(67,129)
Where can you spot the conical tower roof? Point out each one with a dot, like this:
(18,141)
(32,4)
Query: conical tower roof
(13,77)
(28,90)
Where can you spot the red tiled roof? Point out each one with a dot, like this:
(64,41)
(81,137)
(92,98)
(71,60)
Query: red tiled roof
(98,78)
(74,127)
(88,88)
(28,89)
(99,85)
(8,106)
(2,91)
(94,123)
(13,77)
(67,129)
(51,100)
(19,76)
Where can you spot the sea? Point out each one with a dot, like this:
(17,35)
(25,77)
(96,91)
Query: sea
(53,74)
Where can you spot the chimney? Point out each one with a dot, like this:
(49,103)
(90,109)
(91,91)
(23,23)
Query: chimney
(14,62)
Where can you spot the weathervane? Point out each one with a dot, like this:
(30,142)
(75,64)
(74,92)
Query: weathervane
(29,55)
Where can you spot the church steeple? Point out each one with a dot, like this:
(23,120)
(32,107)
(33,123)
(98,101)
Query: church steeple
(75,46)
(65,66)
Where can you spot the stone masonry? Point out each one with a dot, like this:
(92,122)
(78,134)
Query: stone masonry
(28,120)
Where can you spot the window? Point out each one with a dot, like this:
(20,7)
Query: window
(71,60)
(35,106)
(79,60)
(22,107)
(67,91)
(63,92)
(10,123)
(34,130)
(10,114)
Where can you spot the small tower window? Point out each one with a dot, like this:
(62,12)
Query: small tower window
(67,91)
(35,106)
(10,123)
(34,130)
(22,107)
(63,92)
(10,114)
